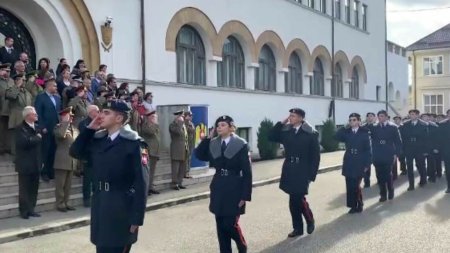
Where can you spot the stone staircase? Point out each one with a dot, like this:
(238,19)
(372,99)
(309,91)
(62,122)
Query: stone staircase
(9,189)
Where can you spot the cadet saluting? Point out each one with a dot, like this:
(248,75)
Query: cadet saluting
(387,146)
(301,163)
(414,135)
(231,186)
(357,160)
(119,177)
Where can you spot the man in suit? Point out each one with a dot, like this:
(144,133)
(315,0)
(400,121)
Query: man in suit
(28,162)
(7,53)
(178,150)
(190,128)
(47,105)
(151,133)
(5,143)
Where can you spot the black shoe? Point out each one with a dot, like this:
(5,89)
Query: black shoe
(382,199)
(70,208)
(24,216)
(295,233)
(411,188)
(60,209)
(391,195)
(448,190)
(45,178)
(153,192)
(182,187)
(352,210)
(310,227)
(176,187)
(87,203)
(34,214)
(359,209)
(423,183)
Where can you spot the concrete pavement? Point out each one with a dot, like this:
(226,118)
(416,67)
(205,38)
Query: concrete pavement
(264,172)
(413,222)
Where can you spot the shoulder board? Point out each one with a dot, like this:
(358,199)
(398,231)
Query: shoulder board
(308,128)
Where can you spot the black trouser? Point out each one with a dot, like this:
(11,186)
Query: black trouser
(299,207)
(227,229)
(402,160)
(447,170)
(48,154)
(395,170)
(420,163)
(87,182)
(123,249)
(367,176)
(439,165)
(354,193)
(384,177)
(28,191)
(432,160)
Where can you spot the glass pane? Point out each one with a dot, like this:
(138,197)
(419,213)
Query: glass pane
(426,99)
(440,100)
(433,100)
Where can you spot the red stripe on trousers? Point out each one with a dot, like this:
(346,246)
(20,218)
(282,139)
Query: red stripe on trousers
(238,228)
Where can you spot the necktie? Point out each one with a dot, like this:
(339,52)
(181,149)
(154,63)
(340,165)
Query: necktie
(223,147)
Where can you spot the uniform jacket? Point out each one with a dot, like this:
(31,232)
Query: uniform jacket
(6,57)
(28,149)
(123,164)
(79,107)
(4,103)
(178,144)
(65,134)
(444,138)
(151,134)
(358,153)
(47,112)
(18,99)
(302,156)
(227,190)
(190,128)
(33,89)
(386,142)
(433,137)
(414,137)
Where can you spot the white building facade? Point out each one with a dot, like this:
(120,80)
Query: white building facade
(251,59)
(398,81)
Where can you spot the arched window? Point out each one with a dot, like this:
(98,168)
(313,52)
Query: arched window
(294,79)
(318,81)
(397,96)
(354,85)
(265,78)
(191,67)
(231,71)
(337,89)
(391,92)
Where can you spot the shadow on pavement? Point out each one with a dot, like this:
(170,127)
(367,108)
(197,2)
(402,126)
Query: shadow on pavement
(329,235)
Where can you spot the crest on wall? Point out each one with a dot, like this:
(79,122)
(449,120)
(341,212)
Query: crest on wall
(106,37)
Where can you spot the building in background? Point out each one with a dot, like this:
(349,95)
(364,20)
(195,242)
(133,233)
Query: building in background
(398,83)
(430,58)
(251,59)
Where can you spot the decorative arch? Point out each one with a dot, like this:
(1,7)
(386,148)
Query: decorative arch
(300,47)
(274,42)
(241,32)
(89,40)
(360,66)
(341,58)
(193,17)
(322,53)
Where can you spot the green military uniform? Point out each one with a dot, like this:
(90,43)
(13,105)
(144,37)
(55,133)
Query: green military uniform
(64,165)
(79,106)
(190,128)
(178,151)
(150,132)
(32,87)
(5,143)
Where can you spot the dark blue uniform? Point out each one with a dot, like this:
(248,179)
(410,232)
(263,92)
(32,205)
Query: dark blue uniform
(301,163)
(231,184)
(414,138)
(368,173)
(120,182)
(401,159)
(357,159)
(433,156)
(386,144)
(444,148)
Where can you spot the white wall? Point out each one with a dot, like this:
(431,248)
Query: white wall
(398,76)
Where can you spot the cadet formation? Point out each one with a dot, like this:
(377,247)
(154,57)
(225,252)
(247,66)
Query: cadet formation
(67,122)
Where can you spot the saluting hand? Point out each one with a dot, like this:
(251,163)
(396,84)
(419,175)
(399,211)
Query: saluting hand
(286,121)
(95,124)
(134,229)
(241,203)
(211,133)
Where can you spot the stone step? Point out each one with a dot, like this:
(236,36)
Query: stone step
(13,187)
(12,198)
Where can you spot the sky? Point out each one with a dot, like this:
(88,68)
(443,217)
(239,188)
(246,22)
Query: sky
(411,20)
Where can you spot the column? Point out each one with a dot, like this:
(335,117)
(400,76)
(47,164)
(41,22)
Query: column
(250,76)
(307,79)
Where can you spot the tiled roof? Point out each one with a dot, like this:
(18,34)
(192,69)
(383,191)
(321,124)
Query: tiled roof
(437,39)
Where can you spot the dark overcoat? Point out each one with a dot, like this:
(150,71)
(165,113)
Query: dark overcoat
(230,187)
(386,143)
(414,137)
(358,153)
(28,149)
(302,156)
(444,138)
(122,164)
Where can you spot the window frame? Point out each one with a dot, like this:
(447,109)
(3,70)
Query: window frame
(355,85)
(323,6)
(268,70)
(337,89)
(356,5)
(430,65)
(294,73)
(364,16)
(189,54)
(320,91)
(436,105)
(231,70)
(347,11)
(337,9)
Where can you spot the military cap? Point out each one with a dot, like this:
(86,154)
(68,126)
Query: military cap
(370,113)
(225,118)
(178,113)
(414,111)
(31,73)
(397,117)
(148,113)
(355,115)
(298,111)
(188,113)
(77,79)
(80,88)
(117,105)
(5,66)
(66,111)
(17,76)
